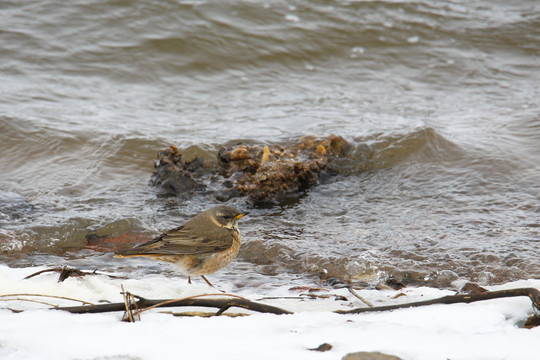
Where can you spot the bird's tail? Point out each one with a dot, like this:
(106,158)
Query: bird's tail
(138,250)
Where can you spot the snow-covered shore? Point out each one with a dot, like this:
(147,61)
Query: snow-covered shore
(482,330)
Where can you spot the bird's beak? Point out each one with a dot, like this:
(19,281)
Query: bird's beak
(241,215)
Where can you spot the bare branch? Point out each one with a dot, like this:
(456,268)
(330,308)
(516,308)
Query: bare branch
(143,303)
(532,293)
(66,272)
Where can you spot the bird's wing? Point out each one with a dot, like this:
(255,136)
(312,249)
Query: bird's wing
(183,240)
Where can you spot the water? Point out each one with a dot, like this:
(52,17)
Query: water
(440,100)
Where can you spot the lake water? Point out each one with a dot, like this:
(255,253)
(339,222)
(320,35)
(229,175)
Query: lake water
(440,100)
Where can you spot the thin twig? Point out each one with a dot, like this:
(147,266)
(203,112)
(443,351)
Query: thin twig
(127,313)
(135,305)
(281,298)
(31,300)
(351,290)
(66,272)
(56,269)
(51,296)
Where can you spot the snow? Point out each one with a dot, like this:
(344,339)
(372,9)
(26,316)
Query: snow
(482,330)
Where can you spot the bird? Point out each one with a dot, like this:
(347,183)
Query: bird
(203,245)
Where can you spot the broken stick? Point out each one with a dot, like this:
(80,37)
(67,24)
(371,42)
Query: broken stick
(141,303)
(532,293)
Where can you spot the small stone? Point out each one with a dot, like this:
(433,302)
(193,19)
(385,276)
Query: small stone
(395,284)
(472,288)
(322,348)
(321,150)
(266,155)
(240,153)
(363,355)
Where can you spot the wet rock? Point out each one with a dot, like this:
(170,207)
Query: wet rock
(381,286)
(261,173)
(472,288)
(484,277)
(172,173)
(394,283)
(362,355)
(10,242)
(335,282)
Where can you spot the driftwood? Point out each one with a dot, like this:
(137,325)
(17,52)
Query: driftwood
(134,305)
(66,272)
(142,303)
(131,305)
(532,293)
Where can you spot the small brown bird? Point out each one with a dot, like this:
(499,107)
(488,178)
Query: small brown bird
(203,245)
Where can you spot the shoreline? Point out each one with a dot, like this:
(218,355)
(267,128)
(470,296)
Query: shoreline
(488,329)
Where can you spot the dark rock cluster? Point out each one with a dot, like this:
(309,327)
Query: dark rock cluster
(261,173)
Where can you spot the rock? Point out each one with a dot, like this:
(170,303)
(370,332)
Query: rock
(369,356)
(240,153)
(261,173)
(10,242)
(394,283)
(322,348)
(472,288)
(173,174)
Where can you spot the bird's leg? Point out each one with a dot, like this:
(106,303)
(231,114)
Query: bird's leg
(189,279)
